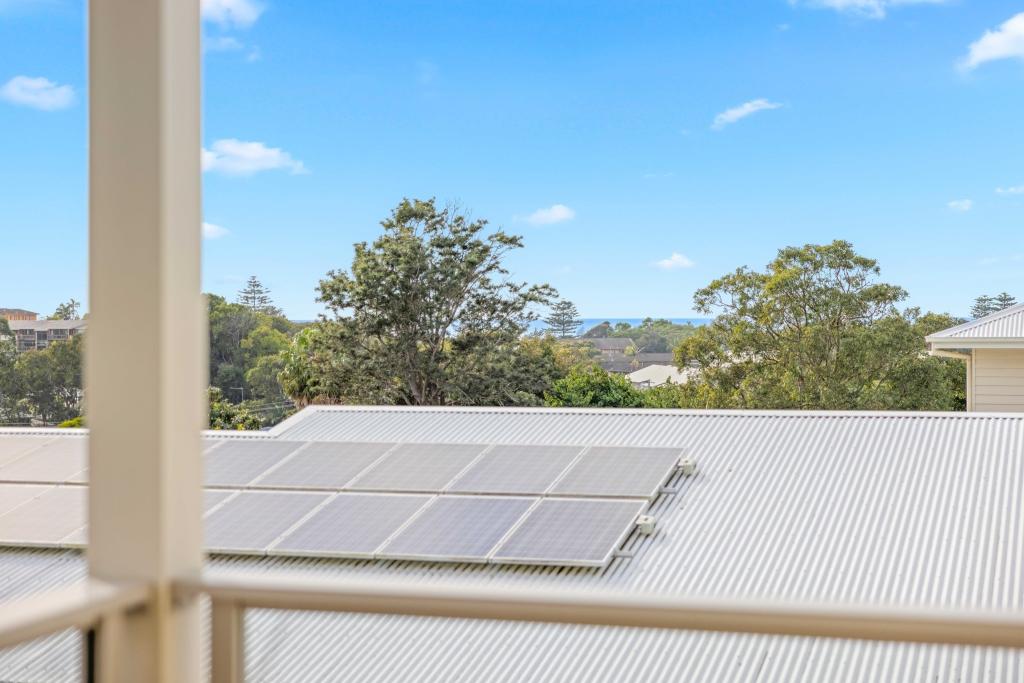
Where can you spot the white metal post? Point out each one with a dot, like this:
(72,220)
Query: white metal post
(145,354)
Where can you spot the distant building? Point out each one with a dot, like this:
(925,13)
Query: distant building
(31,335)
(612,354)
(17,314)
(993,350)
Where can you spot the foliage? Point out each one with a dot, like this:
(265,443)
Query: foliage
(227,415)
(564,320)
(427,315)
(67,311)
(5,328)
(815,330)
(73,423)
(591,386)
(987,305)
(652,335)
(256,298)
(599,331)
(44,384)
(240,338)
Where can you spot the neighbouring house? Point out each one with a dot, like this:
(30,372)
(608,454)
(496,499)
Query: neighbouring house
(656,375)
(614,354)
(17,314)
(993,351)
(31,335)
(883,509)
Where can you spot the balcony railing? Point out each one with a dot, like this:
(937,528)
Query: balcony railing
(97,607)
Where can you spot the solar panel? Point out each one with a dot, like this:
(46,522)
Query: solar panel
(516,469)
(418,467)
(46,519)
(212,499)
(457,528)
(251,521)
(13,495)
(56,461)
(619,471)
(325,465)
(13,447)
(351,525)
(238,462)
(582,532)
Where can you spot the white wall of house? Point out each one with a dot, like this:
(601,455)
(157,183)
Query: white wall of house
(998,380)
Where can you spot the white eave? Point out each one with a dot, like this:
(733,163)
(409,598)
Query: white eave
(1002,330)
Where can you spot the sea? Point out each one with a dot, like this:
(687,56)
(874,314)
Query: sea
(591,322)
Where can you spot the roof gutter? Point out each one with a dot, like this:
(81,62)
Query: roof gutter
(947,353)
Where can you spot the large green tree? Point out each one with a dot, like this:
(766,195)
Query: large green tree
(48,382)
(68,310)
(591,386)
(563,320)
(426,315)
(815,329)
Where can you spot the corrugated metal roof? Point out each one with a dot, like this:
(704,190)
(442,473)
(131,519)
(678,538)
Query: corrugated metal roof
(894,508)
(1007,324)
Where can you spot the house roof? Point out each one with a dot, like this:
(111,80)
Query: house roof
(656,375)
(608,343)
(37,325)
(1003,329)
(849,507)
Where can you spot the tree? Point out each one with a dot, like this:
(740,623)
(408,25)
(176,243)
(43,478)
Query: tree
(599,331)
(1003,300)
(983,305)
(5,328)
(227,415)
(816,329)
(256,298)
(427,315)
(49,381)
(564,320)
(67,311)
(591,386)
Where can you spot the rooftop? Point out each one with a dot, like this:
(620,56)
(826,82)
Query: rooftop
(1003,329)
(893,508)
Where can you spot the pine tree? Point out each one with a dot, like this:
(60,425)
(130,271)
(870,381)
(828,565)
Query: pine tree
(983,305)
(1004,300)
(564,320)
(256,296)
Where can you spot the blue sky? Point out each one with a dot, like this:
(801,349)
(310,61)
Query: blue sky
(641,148)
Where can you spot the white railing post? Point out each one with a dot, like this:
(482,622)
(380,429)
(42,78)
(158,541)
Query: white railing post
(227,642)
(145,359)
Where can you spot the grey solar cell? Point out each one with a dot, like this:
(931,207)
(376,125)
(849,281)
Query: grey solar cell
(212,498)
(516,469)
(418,467)
(325,465)
(238,462)
(251,521)
(56,461)
(13,495)
(45,519)
(13,447)
(457,528)
(619,471)
(583,532)
(351,525)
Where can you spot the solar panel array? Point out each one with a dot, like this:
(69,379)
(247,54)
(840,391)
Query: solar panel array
(550,505)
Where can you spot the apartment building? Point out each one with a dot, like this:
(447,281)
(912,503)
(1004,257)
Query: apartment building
(30,335)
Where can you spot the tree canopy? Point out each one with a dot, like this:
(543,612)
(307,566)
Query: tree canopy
(987,305)
(68,310)
(815,329)
(563,320)
(426,315)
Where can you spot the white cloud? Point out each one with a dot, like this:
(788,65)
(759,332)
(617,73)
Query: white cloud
(232,13)
(39,93)
(222,44)
(1015,189)
(212,231)
(557,213)
(674,262)
(240,158)
(872,9)
(742,111)
(1005,42)
(961,204)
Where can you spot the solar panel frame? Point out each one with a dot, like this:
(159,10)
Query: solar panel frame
(324,465)
(250,522)
(236,463)
(618,471)
(573,532)
(55,462)
(516,469)
(44,521)
(457,529)
(418,468)
(381,515)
